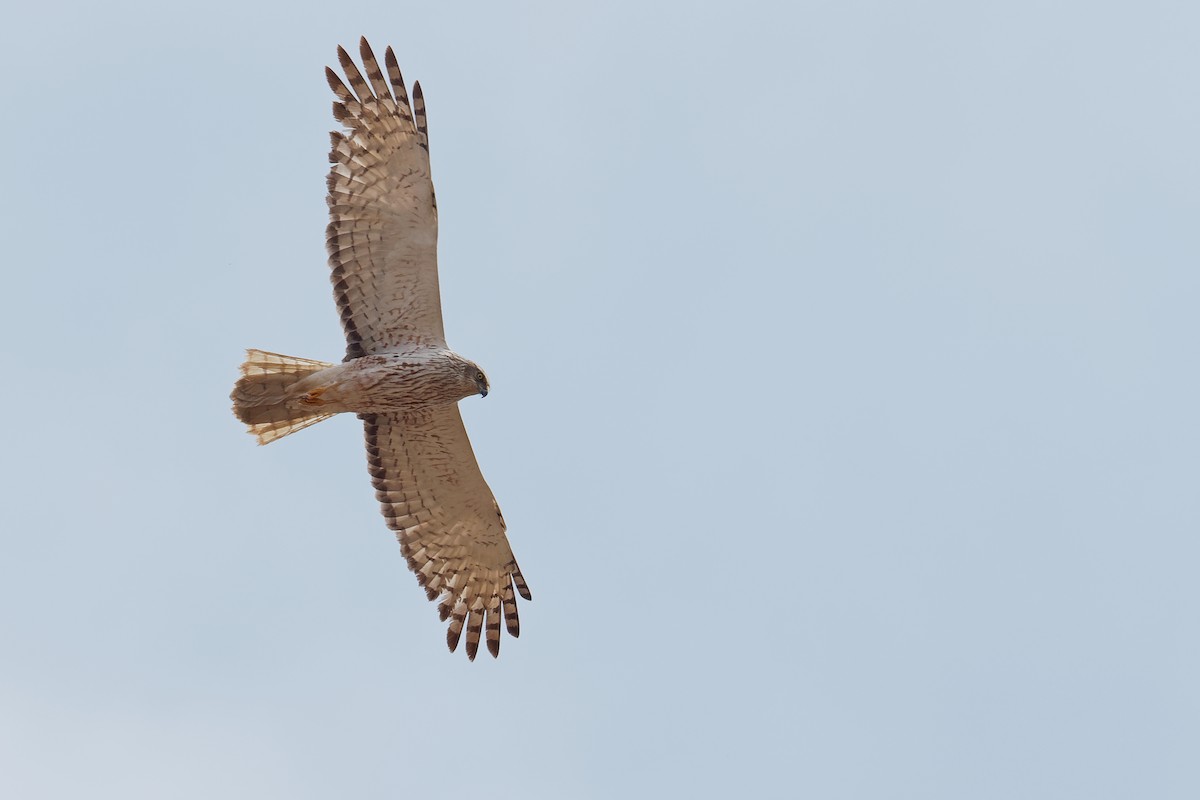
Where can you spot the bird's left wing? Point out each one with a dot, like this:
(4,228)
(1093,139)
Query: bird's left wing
(450,528)
(382,234)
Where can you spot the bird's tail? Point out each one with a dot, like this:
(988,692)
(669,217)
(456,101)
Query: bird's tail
(261,398)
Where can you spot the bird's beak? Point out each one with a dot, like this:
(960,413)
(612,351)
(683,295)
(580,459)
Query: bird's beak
(483,392)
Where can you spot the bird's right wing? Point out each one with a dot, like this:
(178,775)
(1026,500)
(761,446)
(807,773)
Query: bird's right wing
(448,523)
(382,234)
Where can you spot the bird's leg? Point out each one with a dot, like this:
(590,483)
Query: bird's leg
(313,398)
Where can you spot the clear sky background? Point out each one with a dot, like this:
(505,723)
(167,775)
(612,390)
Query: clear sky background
(844,414)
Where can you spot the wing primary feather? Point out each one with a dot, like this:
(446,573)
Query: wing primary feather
(354,76)
(474,628)
(374,74)
(393,69)
(338,87)
(509,603)
(493,632)
(457,618)
(519,580)
(419,112)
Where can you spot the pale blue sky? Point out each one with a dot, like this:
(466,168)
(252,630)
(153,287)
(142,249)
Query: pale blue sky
(844,411)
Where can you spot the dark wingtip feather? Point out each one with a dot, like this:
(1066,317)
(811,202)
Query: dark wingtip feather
(374,73)
(357,83)
(519,580)
(419,117)
(335,83)
(397,80)
(508,604)
(474,628)
(493,632)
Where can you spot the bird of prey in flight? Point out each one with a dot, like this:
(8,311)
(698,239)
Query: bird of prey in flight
(399,376)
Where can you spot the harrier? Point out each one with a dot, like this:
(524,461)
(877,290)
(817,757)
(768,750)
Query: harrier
(398,375)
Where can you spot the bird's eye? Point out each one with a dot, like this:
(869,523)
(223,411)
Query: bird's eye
(478,376)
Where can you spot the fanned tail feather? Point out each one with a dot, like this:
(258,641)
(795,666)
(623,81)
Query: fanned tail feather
(260,397)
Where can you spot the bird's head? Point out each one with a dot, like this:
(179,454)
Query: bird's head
(477,379)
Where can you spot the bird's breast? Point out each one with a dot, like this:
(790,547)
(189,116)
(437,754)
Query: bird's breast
(383,383)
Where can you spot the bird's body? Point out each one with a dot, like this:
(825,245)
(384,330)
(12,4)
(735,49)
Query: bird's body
(402,380)
(399,375)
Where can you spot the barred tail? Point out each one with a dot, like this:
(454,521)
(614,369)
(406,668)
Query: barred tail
(261,397)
